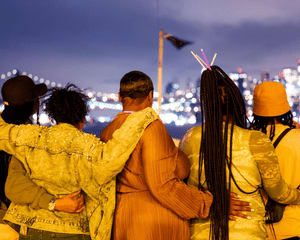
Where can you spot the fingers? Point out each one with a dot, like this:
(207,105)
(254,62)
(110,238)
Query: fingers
(208,192)
(243,209)
(234,195)
(80,202)
(80,199)
(74,194)
(237,207)
(239,214)
(80,209)
(239,203)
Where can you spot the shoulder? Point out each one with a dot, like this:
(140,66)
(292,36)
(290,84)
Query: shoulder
(116,123)
(68,139)
(191,140)
(291,140)
(156,125)
(295,134)
(28,134)
(193,133)
(156,132)
(257,134)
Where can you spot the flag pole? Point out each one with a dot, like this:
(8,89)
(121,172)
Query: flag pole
(159,71)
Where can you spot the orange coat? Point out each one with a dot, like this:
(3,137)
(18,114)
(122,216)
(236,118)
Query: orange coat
(152,200)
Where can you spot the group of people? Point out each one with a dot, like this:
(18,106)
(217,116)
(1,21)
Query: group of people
(134,183)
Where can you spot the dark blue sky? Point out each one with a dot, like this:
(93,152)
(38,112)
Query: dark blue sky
(94,42)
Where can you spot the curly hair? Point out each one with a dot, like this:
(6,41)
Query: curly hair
(67,105)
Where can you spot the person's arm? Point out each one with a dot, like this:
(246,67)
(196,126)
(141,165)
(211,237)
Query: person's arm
(106,160)
(183,165)
(159,160)
(20,189)
(108,157)
(267,163)
(190,145)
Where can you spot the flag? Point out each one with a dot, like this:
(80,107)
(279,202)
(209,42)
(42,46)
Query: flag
(178,43)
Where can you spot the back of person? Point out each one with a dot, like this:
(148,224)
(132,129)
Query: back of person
(20,97)
(152,200)
(132,178)
(247,175)
(56,172)
(62,158)
(288,152)
(227,156)
(135,203)
(272,115)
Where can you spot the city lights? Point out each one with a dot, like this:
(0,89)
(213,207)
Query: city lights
(181,106)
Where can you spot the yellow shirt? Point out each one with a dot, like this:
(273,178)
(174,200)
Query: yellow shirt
(288,152)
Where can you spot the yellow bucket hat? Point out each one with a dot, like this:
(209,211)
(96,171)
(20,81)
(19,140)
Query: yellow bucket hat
(270,100)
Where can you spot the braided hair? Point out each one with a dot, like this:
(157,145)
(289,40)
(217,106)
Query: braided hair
(221,103)
(260,123)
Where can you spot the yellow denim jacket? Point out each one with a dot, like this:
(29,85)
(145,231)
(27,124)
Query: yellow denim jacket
(63,159)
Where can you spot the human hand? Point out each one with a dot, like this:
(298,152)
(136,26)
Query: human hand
(71,203)
(237,207)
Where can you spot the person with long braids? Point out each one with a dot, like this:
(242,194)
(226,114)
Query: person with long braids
(272,116)
(225,156)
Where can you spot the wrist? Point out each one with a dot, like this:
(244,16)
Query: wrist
(52,204)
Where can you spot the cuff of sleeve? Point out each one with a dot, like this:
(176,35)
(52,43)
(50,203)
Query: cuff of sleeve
(44,200)
(205,208)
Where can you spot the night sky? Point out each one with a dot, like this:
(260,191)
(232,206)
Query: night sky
(93,43)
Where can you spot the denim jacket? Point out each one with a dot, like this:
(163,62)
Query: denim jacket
(63,159)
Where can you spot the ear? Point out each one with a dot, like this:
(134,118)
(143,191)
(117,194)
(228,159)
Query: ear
(120,98)
(150,96)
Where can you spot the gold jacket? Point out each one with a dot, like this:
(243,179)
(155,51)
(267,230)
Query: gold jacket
(63,159)
(254,164)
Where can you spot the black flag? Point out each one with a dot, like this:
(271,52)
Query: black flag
(178,43)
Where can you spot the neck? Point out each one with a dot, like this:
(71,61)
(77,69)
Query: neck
(133,108)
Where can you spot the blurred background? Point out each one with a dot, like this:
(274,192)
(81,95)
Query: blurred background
(94,43)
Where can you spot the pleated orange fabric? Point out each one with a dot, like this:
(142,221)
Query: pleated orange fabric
(152,200)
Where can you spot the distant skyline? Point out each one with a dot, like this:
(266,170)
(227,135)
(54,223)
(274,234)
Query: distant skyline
(94,43)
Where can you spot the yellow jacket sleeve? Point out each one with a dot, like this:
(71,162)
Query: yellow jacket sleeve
(21,190)
(268,166)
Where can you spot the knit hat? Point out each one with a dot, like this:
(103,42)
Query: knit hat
(270,100)
(21,89)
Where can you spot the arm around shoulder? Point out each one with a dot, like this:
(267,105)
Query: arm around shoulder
(108,159)
(159,160)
